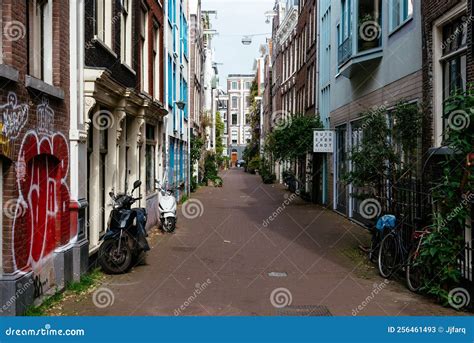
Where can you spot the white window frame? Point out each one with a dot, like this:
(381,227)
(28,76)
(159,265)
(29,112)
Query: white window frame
(126,33)
(156,61)
(104,22)
(144,51)
(402,21)
(41,40)
(437,33)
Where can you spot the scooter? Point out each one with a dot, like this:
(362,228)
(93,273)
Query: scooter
(167,205)
(125,238)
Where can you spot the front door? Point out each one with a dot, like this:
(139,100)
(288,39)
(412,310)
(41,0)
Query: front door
(234,158)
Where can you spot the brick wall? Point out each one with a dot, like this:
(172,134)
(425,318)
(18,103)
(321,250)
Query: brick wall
(431,10)
(42,129)
(305,20)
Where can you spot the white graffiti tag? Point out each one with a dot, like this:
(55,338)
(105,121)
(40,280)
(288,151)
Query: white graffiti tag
(45,117)
(14,116)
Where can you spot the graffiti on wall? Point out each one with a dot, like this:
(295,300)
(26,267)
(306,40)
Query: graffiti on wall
(42,222)
(13,118)
(45,116)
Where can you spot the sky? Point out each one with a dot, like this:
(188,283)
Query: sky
(235,19)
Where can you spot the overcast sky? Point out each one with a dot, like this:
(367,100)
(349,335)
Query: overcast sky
(236,18)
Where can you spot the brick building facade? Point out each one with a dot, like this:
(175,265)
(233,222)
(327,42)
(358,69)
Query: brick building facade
(37,234)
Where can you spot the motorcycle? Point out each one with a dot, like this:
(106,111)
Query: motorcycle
(125,238)
(167,205)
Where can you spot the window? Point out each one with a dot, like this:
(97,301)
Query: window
(170,82)
(40,40)
(103,21)
(126,33)
(144,51)
(454,58)
(156,62)
(247,101)
(369,16)
(150,158)
(248,85)
(234,118)
(235,102)
(234,85)
(345,25)
(400,11)
(234,136)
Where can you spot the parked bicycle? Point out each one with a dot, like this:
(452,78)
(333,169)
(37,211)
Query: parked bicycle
(416,273)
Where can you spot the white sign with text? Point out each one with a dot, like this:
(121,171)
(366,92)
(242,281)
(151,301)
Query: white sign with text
(323,141)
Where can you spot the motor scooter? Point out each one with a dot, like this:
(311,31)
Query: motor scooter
(167,206)
(125,238)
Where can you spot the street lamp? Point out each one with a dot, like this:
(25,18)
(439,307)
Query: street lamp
(246,40)
(180,104)
(269,15)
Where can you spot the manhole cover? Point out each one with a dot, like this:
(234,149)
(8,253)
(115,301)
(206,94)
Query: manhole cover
(277,274)
(304,311)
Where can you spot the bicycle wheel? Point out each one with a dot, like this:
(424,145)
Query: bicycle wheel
(414,272)
(388,255)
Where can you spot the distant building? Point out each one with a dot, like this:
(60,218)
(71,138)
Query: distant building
(238,91)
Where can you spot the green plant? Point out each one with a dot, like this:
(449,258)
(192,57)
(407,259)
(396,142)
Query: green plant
(374,158)
(86,282)
(210,167)
(254,164)
(293,140)
(441,249)
(219,144)
(265,172)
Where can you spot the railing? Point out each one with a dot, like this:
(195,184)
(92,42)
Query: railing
(465,260)
(345,51)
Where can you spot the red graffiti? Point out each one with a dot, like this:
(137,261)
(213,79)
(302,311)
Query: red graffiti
(43,224)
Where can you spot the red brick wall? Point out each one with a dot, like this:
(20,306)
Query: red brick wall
(25,141)
(155,15)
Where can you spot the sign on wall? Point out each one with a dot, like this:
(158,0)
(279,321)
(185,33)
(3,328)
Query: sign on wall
(323,141)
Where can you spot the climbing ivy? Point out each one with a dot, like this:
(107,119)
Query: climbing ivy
(452,196)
